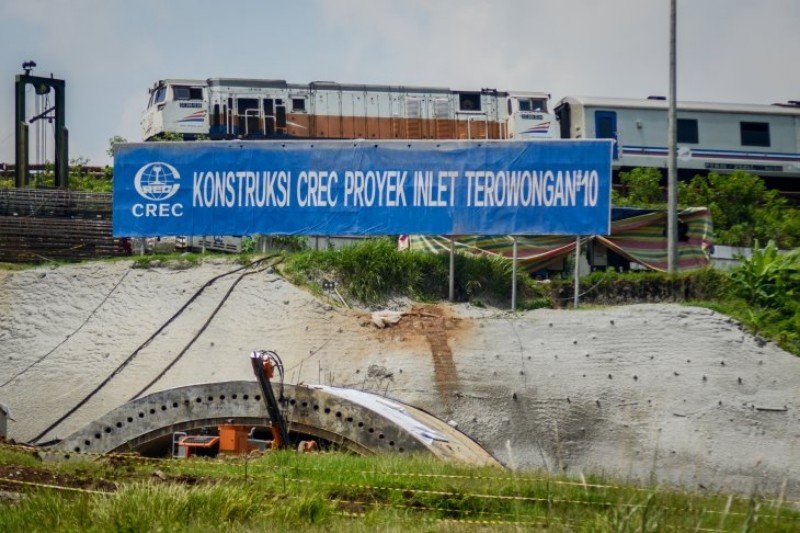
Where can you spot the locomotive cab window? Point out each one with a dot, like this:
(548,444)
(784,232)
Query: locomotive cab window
(181,92)
(161,93)
(299,104)
(532,104)
(687,131)
(755,133)
(469,101)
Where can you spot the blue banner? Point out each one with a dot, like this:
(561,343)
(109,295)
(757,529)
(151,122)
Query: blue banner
(363,188)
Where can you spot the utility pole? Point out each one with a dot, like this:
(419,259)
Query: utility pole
(672,157)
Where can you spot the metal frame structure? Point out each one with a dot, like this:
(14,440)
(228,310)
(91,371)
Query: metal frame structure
(21,124)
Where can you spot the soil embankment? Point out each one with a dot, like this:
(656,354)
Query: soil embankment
(653,393)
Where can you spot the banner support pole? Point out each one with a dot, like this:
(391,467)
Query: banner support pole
(514,277)
(577,275)
(452,280)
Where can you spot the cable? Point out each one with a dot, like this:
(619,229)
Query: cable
(133,355)
(197,335)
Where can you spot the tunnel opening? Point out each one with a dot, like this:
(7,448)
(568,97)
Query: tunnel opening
(164,445)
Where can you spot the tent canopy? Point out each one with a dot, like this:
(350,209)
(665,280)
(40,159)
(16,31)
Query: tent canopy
(639,235)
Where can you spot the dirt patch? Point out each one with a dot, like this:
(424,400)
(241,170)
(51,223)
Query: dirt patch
(30,474)
(431,326)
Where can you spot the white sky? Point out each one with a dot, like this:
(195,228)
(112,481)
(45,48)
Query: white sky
(111,51)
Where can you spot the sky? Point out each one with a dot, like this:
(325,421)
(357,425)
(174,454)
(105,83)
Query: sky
(111,51)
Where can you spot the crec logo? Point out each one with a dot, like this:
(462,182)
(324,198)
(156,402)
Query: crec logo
(157,181)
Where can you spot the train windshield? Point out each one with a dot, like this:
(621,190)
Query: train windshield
(159,95)
(182,92)
(533,104)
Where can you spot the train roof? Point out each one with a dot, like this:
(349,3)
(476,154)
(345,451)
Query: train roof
(181,81)
(332,85)
(658,103)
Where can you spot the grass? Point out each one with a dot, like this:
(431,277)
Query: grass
(178,259)
(374,270)
(758,321)
(341,492)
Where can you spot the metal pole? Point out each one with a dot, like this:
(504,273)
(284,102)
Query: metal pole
(62,155)
(452,291)
(514,277)
(672,161)
(577,274)
(21,134)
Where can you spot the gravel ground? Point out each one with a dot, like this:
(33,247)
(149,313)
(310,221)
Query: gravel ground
(646,393)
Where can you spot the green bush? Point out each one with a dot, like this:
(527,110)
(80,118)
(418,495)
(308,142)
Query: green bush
(743,210)
(643,186)
(615,288)
(373,270)
(770,283)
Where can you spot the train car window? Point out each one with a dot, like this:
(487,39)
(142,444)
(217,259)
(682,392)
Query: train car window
(469,101)
(161,93)
(280,116)
(755,133)
(195,93)
(245,104)
(179,92)
(268,107)
(299,104)
(538,104)
(509,106)
(687,131)
(604,128)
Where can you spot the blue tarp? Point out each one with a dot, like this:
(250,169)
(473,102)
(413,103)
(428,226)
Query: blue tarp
(363,188)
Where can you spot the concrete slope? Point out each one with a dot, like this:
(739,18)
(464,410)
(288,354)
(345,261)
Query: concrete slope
(652,393)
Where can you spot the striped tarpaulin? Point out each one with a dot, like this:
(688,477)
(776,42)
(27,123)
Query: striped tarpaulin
(640,237)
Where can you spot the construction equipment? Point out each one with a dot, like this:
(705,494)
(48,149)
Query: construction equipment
(233,439)
(236,438)
(265,363)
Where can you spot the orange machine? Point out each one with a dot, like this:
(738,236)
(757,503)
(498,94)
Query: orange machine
(185,446)
(233,439)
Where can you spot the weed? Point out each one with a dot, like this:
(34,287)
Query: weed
(339,492)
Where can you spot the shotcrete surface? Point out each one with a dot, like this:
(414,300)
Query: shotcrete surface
(645,393)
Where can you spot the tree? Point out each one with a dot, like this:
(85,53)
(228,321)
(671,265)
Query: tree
(113,142)
(743,209)
(643,187)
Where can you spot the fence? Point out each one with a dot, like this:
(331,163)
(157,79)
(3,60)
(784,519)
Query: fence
(47,224)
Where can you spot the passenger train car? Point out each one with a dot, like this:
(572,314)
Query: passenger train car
(222,108)
(761,139)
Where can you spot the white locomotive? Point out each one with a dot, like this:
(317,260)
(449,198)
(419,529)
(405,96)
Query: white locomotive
(762,139)
(260,109)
